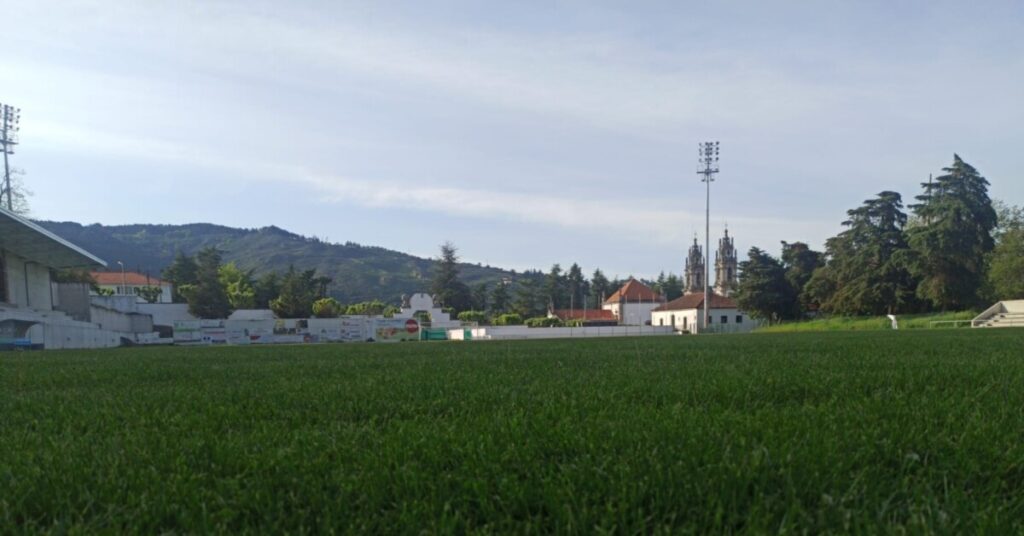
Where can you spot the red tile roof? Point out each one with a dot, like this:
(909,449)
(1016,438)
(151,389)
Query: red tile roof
(584,314)
(634,292)
(131,278)
(696,301)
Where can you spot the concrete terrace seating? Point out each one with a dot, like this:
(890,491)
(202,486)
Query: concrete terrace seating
(1004,314)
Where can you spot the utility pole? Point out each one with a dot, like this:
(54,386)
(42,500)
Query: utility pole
(708,157)
(9,118)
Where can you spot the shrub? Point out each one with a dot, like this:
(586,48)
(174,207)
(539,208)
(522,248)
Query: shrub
(473,316)
(327,308)
(544,322)
(509,319)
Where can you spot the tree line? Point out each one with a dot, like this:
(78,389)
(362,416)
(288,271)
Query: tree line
(956,249)
(532,293)
(213,289)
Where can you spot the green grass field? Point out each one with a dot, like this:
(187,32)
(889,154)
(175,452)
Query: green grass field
(876,323)
(920,431)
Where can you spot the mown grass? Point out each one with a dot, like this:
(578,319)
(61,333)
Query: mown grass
(820,432)
(862,323)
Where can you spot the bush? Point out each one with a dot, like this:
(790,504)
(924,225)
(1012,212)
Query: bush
(473,316)
(327,308)
(544,322)
(509,319)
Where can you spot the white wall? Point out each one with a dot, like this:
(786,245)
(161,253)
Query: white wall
(631,314)
(31,292)
(523,332)
(687,319)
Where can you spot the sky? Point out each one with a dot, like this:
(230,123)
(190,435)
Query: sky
(526,133)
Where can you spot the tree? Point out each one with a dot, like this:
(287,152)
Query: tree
(1006,263)
(673,287)
(763,291)
(554,288)
(265,289)
(297,295)
(530,300)
(500,298)
(948,250)
(480,297)
(447,289)
(600,288)
(207,298)
(372,308)
(576,286)
(327,308)
(181,273)
(866,272)
(238,285)
(800,262)
(150,293)
(19,193)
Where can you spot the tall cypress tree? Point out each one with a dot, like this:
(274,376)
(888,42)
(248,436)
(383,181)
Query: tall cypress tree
(447,288)
(953,238)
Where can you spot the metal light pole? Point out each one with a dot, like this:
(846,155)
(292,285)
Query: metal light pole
(9,117)
(707,157)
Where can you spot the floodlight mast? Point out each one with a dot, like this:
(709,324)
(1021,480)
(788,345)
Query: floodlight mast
(708,158)
(9,118)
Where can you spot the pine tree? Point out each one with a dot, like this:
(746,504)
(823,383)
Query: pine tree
(866,273)
(500,298)
(447,289)
(800,262)
(576,285)
(554,288)
(950,246)
(207,297)
(480,297)
(600,288)
(296,297)
(265,289)
(238,285)
(763,291)
(182,273)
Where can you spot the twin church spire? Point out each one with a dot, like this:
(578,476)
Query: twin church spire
(726,265)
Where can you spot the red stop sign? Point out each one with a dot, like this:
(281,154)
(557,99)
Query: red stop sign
(411,326)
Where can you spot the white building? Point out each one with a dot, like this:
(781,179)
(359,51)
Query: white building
(131,283)
(686,315)
(632,304)
(29,300)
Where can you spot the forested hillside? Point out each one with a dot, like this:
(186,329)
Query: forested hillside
(359,272)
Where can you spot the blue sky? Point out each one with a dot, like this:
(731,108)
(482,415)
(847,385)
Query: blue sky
(527,133)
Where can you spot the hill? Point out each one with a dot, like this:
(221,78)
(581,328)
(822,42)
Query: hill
(360,272)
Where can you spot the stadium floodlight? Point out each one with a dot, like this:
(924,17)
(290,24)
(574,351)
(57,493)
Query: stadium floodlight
(9,119)
(707,158)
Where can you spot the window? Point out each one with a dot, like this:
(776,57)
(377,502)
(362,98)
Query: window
(739,319)
(672,320)
(3,279)
(661,321)
(725,319)
(685,318)
(710,319)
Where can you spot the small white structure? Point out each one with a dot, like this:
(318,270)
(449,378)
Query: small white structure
(421,303)
(130,283)
(632,304)
(1004,314)
(686,315)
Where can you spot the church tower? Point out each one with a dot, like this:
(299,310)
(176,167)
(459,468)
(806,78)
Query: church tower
(725,266)
(694,269)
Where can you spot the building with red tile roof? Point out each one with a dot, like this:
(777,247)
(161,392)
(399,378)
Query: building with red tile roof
(131,282)
(588,317)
